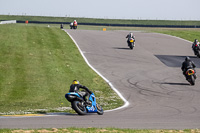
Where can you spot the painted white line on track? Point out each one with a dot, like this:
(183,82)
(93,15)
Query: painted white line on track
(126,103)
(174,37)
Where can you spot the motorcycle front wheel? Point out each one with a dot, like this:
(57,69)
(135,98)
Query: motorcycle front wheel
(79,108)
(99,109)
(131,45)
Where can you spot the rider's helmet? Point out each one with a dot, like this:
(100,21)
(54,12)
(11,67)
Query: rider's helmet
(195,41)
(75,82)
(131,34)
(187,58)
(75,22)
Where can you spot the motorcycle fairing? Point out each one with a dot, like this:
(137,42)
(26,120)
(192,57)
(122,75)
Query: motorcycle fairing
(93,108)
(73,93)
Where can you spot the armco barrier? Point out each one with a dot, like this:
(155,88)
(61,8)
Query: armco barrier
(8,22)
(119,25)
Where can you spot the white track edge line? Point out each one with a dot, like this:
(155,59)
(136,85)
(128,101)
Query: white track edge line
(126,103)
(174,37)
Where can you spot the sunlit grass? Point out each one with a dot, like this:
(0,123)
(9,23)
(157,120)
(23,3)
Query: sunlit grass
(96,130)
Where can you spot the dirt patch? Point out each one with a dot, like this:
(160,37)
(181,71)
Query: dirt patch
(23,131)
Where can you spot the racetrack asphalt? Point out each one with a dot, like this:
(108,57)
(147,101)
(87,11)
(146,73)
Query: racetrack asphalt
(149,77)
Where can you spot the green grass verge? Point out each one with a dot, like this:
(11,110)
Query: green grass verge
(94,20)
(185,33)
(188,34)
(37,66)
(96,130)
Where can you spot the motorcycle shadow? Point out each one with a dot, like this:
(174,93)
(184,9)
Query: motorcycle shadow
(121,48)
(61,113)
(67,114)
(170,83)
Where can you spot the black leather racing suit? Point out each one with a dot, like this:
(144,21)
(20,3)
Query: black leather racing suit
(76,87)
(130,36)
(187,64)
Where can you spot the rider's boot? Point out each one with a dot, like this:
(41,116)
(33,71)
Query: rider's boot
(88,102)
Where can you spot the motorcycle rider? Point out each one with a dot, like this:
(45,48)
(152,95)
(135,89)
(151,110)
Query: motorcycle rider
(71,25)
(75,86)
(188,64)
(130,35)
(75,23)
(194,45)
(61,26)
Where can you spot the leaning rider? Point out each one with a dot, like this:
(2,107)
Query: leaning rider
(75,86)
(195,44)
(188,64)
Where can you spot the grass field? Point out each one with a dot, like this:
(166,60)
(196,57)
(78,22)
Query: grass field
(94,20)
(96,130)
(37,66)
(188,34)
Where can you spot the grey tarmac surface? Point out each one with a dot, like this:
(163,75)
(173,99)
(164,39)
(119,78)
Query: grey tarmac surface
(149,77)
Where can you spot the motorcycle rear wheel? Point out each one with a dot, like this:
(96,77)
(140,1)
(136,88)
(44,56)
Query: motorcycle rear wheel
(79,108)
(99,109)
(198,54)
(192,80)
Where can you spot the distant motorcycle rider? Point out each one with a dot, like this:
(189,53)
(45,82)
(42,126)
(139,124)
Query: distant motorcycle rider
(129,36)
(75,86)
(75,23)
(61,26)
(195,46)
(71,25)
(188,64)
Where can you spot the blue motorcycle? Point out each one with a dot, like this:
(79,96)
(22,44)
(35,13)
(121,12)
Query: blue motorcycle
(79,105)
